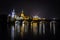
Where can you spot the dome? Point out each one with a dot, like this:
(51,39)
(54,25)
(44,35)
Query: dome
(35,16)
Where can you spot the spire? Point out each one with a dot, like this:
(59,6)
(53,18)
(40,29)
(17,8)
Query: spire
(13,13)
(22,14)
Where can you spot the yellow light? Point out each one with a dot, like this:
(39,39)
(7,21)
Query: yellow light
(22,14)
(35,19)
(34,24)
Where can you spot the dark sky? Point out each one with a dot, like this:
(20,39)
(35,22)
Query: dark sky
(42,8)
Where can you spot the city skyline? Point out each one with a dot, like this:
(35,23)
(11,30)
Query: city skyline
(48,9)
(37,25)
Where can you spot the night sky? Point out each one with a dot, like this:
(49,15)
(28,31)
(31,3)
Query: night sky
(42,8)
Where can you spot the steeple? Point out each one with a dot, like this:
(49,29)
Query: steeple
(13,13)
(22,13)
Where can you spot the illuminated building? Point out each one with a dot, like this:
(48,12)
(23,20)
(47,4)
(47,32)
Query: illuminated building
(21,24)
(22,14)
(13,13)
(35,18)
(34,25)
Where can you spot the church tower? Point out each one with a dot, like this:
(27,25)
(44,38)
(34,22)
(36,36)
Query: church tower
(22,13)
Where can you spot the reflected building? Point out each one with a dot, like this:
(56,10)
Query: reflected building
(42,26)
(17,26)
(26,24)
(34,28)
(12,33)
(52,26)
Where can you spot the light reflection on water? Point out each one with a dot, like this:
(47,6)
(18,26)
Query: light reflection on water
(23,30)
(12,33)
